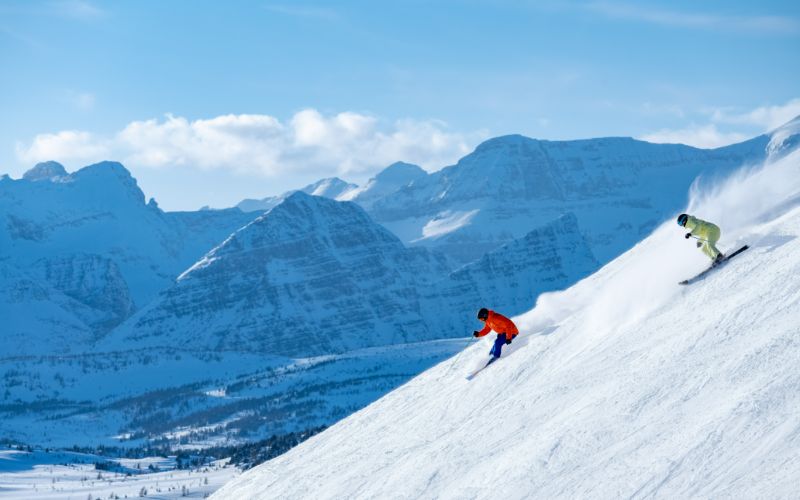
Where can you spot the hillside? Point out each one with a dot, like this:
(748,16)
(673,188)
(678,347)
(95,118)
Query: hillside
(625,385)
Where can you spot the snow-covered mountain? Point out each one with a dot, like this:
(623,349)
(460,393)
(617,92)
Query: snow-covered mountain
(391,179)
(311,276)
(332,188)
(90,236)
(618,188)
(624,385)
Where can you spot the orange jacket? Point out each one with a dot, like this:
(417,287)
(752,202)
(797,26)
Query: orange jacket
(499,324)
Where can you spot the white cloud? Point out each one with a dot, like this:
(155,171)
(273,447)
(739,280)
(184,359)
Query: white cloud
(761,119)
(66,145)
(309,142)
(700,136)
(765,117)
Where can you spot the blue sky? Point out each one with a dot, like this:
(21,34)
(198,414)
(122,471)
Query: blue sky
(211,102)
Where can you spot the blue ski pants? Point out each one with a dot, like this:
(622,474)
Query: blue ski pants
(498,344)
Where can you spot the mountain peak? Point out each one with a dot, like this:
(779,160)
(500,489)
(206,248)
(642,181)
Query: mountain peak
(300,198)
(305,209)
(103,167)
(106,175)
(401,171)
(45,171)
(504,141)
(330,187)
(391,179)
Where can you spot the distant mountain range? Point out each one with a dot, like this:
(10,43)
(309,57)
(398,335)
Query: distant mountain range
(618,188)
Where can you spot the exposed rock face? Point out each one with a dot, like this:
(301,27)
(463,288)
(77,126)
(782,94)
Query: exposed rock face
(48,170)
(311,276)
(510,278)
(549,258)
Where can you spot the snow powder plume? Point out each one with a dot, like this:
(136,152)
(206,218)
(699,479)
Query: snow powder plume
(750,196)
(738,204)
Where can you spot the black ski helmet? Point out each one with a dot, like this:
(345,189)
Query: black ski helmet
(483,313)
(682,218)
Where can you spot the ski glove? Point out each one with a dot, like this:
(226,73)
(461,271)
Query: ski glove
(688,235)
(475,333)
(508,340)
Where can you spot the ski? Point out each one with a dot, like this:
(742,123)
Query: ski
(476,372)
(724,260)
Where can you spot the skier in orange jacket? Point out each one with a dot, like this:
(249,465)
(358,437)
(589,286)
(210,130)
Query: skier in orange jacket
(505,328)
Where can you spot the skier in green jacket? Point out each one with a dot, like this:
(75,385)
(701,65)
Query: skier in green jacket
(707,235)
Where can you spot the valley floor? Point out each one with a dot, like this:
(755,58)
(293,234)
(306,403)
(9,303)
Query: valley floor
(64,476)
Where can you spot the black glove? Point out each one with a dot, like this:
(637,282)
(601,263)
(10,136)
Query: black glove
(688,235)
(508,340)
(475,333)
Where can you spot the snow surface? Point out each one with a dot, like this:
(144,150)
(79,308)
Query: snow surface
(625,385)
(447,222)
(67,475)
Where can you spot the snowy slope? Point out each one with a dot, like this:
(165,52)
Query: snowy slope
(69,475)
(625,385)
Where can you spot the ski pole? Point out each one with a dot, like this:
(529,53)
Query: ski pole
(453,363)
